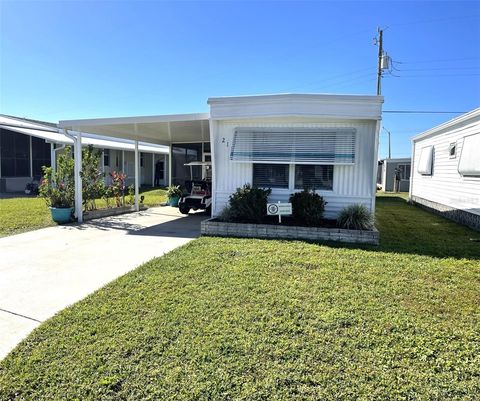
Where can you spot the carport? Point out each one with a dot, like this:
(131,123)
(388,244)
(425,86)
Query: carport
(160,130)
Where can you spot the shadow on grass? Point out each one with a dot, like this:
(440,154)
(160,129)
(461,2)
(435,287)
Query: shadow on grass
(406,228)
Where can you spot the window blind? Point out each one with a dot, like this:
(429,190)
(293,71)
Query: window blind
(314,177)
(469,163)
(294,146)
(270,175)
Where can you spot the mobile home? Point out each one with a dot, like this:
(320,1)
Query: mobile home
(394,174)
(286,142)
(446,169)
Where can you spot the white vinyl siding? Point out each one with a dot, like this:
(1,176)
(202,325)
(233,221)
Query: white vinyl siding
(351,183)
(294,145)
(447,186)
(469,163)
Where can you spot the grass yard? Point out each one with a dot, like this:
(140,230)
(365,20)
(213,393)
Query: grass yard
(243,319)
(22,214)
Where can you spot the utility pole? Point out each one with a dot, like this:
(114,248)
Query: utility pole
(380,55)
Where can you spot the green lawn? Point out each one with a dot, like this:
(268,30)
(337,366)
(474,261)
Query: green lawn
(30,213)
(243,319)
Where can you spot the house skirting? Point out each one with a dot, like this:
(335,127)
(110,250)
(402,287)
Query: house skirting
(218,228)
(459,216)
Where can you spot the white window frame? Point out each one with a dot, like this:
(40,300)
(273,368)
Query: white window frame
(474,176)
(291,179)
(429,168)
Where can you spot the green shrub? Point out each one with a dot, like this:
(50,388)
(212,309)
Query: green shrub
(356,217)
(248,204)
(307,207)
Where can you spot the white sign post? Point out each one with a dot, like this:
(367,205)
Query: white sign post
(279,209)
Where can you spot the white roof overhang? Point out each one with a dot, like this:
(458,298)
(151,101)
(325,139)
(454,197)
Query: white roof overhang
(50,134)
(162,130)
(53,135)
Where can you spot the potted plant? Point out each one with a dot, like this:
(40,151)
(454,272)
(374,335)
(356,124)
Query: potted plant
(58,188)
(174,193)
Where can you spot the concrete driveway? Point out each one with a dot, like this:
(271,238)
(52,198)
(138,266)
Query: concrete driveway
(44,271)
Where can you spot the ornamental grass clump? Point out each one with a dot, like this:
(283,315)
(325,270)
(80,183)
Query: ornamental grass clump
(355,217)
(248,204)
(307,207)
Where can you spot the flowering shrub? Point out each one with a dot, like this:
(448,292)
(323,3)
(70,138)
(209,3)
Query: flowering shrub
(117,187)
(58,187)
(93,186)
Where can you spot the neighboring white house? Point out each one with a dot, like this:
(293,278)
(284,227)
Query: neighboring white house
(388,169)
(446,169)
(27,145)
(285,142)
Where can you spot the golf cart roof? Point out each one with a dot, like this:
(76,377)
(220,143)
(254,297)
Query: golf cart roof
(198,164)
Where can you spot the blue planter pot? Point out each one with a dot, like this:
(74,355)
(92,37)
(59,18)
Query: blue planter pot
(61,214)
(173,201)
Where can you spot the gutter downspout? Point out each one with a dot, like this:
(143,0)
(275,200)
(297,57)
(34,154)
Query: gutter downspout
(77,146)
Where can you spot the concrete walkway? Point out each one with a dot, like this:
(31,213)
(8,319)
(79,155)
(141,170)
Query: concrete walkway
(44,271)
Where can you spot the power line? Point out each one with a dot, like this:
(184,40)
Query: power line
(445,60)
(423,112)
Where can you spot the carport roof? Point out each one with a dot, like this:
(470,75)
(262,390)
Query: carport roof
(162,129)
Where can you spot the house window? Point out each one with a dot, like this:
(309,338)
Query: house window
(294,145)
(469,163)
(270,175)
(314,177)
(452,150)
(14,154)
(426,161)
(106,157)
(142,159)
(404,170)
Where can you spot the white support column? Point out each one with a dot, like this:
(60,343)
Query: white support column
(170,165)
(53,157)
(169,155)
(78,179)
(123,162)
(31,160)
(153,169)
(137,205)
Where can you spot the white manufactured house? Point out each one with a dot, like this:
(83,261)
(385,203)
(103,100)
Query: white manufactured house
(446,169)
(286,142)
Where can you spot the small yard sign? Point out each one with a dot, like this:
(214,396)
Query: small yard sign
(279,209)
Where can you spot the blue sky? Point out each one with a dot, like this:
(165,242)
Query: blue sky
(68,60)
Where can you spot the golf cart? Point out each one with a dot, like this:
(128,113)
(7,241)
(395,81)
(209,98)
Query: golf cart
(199,191)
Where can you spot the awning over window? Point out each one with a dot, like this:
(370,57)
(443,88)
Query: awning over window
(426,161)
(469,163)
(294,146)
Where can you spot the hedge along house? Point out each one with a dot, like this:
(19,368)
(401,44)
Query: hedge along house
(446,169)
(27,145)
(285,142)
